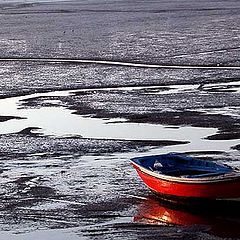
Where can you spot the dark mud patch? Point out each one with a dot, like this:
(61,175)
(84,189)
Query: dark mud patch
(65,211)
(160,143)
(23,180)
(39,191)
(232,134)
(28,144)
(29,131)
(228,127)
(237,147)
(7,118)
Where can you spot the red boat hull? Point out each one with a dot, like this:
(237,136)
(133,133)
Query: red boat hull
(211,190)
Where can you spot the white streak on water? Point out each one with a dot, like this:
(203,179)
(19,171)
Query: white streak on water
(116,63)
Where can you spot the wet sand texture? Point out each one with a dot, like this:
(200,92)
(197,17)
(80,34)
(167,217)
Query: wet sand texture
(84,188)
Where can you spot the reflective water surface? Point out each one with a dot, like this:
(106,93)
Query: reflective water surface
(214,216)
(59,121)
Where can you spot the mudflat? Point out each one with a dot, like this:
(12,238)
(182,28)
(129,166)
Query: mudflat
(70,184)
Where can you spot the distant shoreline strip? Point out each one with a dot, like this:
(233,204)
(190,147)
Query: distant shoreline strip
(117,63)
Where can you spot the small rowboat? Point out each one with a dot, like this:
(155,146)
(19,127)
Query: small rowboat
(174,175)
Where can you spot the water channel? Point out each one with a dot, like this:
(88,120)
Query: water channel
(60,122)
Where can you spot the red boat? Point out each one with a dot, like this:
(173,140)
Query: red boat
(174,175)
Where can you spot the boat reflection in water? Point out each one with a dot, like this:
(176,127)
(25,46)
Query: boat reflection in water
(221,218)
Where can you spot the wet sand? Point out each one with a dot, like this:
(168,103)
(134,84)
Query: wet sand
(84,188)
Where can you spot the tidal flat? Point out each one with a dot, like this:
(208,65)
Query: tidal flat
(68,129)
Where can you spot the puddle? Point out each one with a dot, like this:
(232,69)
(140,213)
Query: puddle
(59,122)
(60,234)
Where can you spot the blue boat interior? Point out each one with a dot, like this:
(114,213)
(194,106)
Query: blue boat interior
(177,165)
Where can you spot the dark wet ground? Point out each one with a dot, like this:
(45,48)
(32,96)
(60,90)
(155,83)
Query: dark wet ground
(87,185)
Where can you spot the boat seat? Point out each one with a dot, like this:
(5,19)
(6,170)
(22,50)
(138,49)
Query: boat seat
(203,175)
